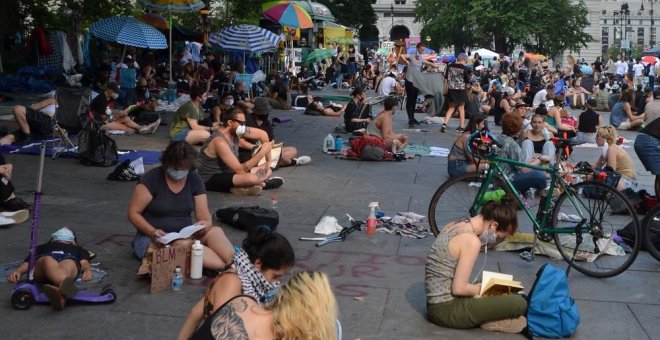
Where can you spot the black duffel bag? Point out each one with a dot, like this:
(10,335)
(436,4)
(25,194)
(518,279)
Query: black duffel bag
(248,218)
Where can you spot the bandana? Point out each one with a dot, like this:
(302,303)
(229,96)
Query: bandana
(253,282)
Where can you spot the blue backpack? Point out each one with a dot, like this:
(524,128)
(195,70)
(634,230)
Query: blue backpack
(551,312)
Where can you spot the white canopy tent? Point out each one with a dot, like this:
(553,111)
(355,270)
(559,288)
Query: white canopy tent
(486,55)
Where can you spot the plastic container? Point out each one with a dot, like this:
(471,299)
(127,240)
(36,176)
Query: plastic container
(328,143)
(177,279)
(371,220)
(339,143)
(273,202)
(196,260)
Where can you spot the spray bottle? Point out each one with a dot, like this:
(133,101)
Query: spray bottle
(196,260)
(371,220)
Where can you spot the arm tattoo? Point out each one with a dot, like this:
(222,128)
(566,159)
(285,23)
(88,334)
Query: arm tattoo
(227,324)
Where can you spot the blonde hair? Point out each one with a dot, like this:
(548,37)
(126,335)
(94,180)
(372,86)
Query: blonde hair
(608,132)
(305,308)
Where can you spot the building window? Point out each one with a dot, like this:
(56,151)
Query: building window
(604,12)
(604,21)
(399,2)
(652,38)
(640,36)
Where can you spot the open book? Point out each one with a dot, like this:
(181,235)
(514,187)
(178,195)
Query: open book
(182,234)
(275,154)
(497,284)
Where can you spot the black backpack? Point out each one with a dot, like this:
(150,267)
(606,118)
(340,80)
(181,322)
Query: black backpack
(248,218)
(95,148)
(627,233)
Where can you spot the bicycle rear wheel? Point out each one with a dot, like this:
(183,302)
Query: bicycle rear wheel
(602,252)
(453,199)
(651,232)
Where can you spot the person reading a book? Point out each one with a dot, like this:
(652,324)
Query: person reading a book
(220,168)
(265,257)
(305,308)
(452,300)
(162,203)
(258,119)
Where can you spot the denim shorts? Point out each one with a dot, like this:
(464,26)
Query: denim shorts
(457,167)
(141,243)
(181,136)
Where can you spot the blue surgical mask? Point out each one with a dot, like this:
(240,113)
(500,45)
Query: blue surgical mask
(177,174)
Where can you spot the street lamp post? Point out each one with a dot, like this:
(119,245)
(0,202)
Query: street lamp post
(206,27)
(392,13)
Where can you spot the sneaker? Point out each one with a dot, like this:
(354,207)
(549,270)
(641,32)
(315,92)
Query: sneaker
(68,287)
(14,217)
(460,129)
(302,160)
(150,128)
(507,325)
(274,183)
(443,128)
(254,190)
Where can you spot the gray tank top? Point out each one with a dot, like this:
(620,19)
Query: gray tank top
(210,166)
(440,268)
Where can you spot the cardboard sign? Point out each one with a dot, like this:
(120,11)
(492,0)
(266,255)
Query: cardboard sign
(164,262)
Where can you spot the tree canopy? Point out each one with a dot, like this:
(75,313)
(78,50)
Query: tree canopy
(352,13)
(541,26)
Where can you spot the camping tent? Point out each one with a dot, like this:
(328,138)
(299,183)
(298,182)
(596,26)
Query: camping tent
(486,54)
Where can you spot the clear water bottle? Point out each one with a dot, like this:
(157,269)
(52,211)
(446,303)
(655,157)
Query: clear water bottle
(177,279)
(274,202)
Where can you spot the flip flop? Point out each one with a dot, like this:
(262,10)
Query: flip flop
(57,301)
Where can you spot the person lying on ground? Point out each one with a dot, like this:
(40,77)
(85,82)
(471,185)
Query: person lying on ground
(317,108)
(185,126)
(615,157)
(352,121)
(58,263)
(381,126)
(451,299)
(305,308)
(265,257)
(8,199)
(220,167)
(258,119)
(460,160)
(163,201)
(36,119)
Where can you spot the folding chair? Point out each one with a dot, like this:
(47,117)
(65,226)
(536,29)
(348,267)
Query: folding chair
(72,106)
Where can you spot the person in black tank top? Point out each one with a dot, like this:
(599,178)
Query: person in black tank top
(587,123)
(536,143)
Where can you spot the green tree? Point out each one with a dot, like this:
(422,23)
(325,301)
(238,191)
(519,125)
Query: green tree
(548,26)
(352,13)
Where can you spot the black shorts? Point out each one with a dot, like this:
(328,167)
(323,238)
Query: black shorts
(40,123)
(457,96)
(220,182)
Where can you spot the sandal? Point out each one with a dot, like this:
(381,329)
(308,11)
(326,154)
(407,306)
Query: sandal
(57,301)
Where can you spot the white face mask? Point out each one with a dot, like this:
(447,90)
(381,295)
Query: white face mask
(488,237)
(114,95)
(240,130)
(272,82)
(229,102)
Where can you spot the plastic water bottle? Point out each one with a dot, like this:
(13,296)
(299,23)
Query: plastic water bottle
(328,143)
(108,112)
(339,143)
(177,279)
(273,202)
(196,260)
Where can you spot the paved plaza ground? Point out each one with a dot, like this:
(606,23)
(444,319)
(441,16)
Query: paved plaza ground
(378,280)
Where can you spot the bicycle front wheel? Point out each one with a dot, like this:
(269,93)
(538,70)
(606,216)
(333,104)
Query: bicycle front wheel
(651,232)
(454,198)
(592,220)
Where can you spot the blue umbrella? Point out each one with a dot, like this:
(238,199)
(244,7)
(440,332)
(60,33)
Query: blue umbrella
(245,38)
(128,31)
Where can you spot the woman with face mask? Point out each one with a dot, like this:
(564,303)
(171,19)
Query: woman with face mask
(221,169)
(450,296)
(264,258)
(163,200)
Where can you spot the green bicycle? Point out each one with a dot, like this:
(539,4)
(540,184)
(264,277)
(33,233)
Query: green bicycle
(580,221)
